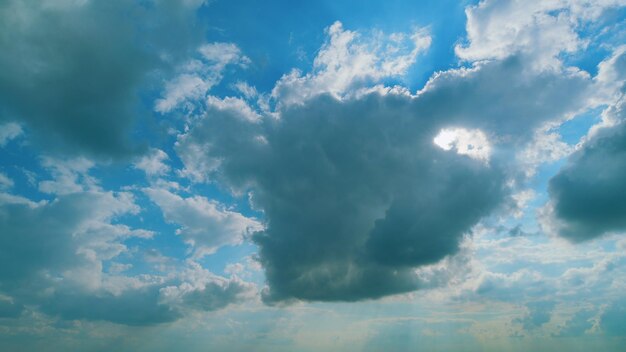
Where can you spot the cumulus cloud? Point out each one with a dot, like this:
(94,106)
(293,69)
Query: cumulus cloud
(205,291)
(587,195)
(68,176)
(366,190)
(72,70)
(53,256)
(539,29)
(504,98)
(198,76)
(359,189)
(153,163)
(70,232)
(546,147)
(355,193)
(205,224)
(348,60)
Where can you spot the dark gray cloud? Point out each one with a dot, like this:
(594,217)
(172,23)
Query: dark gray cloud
(355,192)
(589,193)
(131,307)
(505,97)
(71,69)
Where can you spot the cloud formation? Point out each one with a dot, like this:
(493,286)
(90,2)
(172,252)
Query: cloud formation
(360,189)
(355,193)
(541,29)
(54,254)
(589,195)
(72,70)
(205,224)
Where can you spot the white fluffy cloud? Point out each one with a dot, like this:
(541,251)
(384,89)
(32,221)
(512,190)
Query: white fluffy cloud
(198,76)
(68,176)
(153,163)
(349,60)
(205,224)
(540,29)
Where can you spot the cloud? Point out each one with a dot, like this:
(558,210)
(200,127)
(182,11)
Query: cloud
(538,314)
(205,224)
(546,147)
(355,193)
(53,254)
(587,195)
(540,29)
(68,176)
(205,291)
(5,182)
(72,70)
(139,307)
(473,143)
(348,60)
(509,287)
(153,164)
(9,131)
(198,76)
(62,234)
(504,98)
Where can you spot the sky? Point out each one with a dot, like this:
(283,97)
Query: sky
(312,176)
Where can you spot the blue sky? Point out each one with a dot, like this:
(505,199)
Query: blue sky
(230,175)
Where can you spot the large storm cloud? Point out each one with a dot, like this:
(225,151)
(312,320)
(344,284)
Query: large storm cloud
(355,193)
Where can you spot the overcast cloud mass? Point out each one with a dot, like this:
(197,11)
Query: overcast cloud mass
(328,176)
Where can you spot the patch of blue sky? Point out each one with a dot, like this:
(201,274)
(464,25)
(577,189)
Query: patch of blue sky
(292,33)
(22,164)
(573,130)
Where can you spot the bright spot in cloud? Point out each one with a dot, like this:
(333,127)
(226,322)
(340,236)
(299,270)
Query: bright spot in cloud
(472,143)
